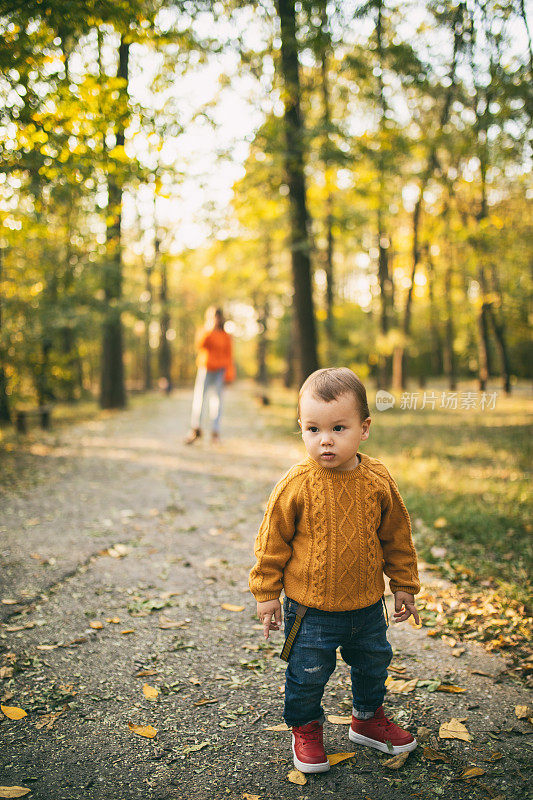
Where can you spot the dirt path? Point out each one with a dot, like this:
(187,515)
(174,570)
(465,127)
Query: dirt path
(118,520)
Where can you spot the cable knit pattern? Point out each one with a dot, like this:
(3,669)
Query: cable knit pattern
(327,537)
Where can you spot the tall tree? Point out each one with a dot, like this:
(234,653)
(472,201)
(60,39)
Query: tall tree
(294,167)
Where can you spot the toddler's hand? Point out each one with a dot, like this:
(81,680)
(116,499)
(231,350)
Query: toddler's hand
(265,612)
(405,601)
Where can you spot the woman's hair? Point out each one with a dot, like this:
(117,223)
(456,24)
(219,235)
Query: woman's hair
(215,316)
(330,383)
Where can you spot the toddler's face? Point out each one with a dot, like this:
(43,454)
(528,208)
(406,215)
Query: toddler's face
(332,432)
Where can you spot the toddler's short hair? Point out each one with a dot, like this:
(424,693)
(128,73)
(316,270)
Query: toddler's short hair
(328,384)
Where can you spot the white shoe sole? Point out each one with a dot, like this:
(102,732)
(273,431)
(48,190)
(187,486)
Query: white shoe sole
(393,750)
(303,767)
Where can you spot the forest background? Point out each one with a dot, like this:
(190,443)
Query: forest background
(351,181)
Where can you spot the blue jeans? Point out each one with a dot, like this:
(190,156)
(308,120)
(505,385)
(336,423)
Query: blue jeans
(208,382)
(361,635)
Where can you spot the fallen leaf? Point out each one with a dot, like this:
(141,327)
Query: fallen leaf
(168,624)
(12,712)
(458,651)
(97,625)
(454,730)
(193,748)
(195,681)
(295,776)
(523,712)
(6,672)
(334,758)
(13,791)
(434,755)
(143,730)
(282,727)
(441,522)
(471,772)
(399,685)
(48,720)
(396,761)
(128,630)
(451,688)
(47,646)
(113,620)
(335,720)
(150,692)
(145,672)
(230,607)
(205,702)
(8,601)
(423,734)
(247,796)
(118,551)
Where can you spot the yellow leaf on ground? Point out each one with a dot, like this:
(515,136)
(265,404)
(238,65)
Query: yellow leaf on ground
(113,620)
(150,692)
(247,796)
(335,720)
(454,730)
(295,776)
(47,646)
(231,607)
(440,522)
(396,761)
(282,727)
(97,625)
(128,630)
(13,791)
(145,672)
(205,702)
(399,685)
(413,624)
(334,758)
(195,681)
(523,712)
(451,688)
(12,712)
(143,730)
(471,772)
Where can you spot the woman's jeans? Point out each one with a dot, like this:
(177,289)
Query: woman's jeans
(361,636)
(208,382)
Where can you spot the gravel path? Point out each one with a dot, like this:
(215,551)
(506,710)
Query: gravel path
(120,546)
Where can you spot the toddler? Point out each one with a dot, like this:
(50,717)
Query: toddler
(333,525)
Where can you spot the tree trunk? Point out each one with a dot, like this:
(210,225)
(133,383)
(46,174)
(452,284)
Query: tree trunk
(165,356)
(384,271)
(113,390)
(449,355)
(147,360)
(5,415)
(500,330)
(294,167)
(329,220)
(436,340)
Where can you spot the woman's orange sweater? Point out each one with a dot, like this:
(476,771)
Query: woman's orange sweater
(214,349)
(327,537)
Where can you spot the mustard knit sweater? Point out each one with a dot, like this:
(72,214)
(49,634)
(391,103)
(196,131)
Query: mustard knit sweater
(327,537)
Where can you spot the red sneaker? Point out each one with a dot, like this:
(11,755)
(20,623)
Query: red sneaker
(378,731)
(308,748)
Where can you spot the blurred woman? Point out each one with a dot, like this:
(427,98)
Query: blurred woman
(215,368)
